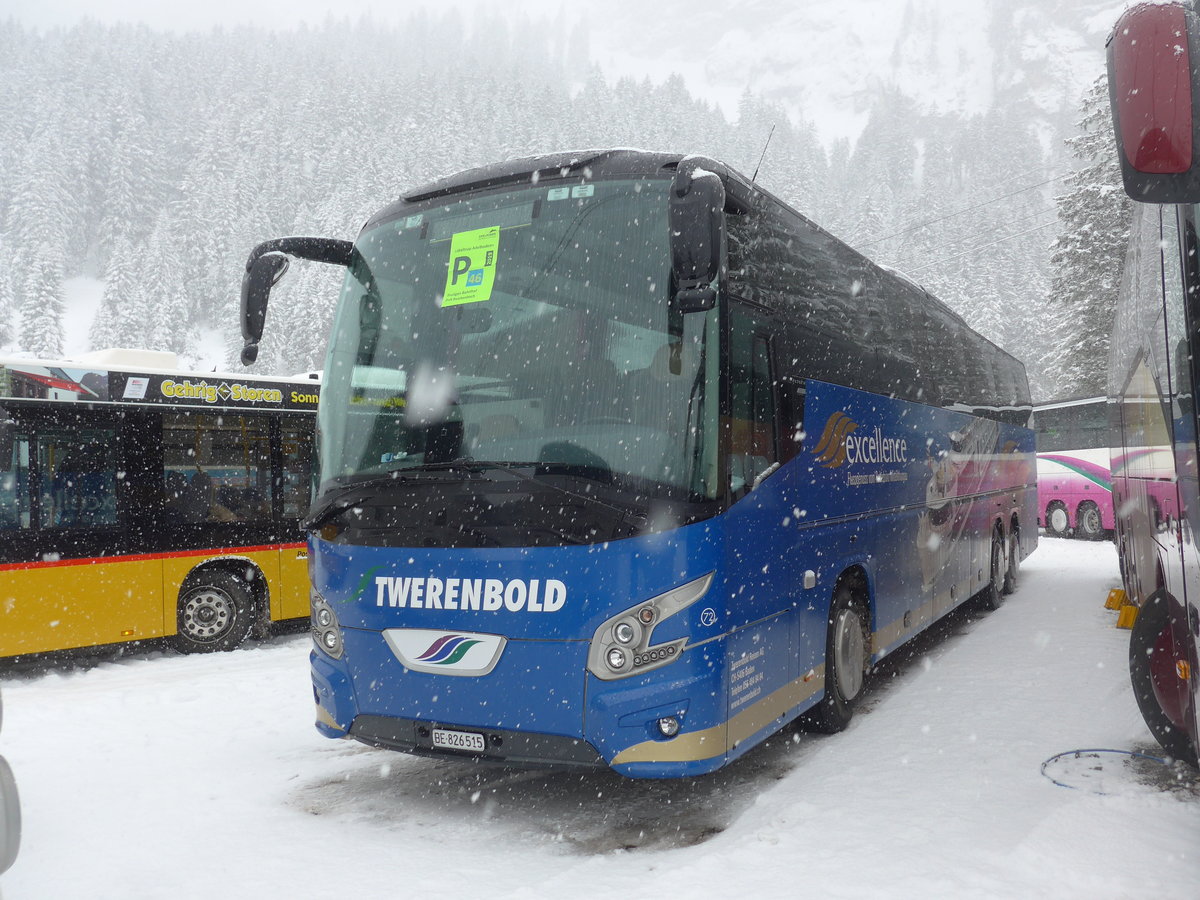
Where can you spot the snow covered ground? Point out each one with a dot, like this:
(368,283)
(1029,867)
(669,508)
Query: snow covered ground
(164,776)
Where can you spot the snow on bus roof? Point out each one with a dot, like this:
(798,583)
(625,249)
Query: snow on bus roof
(128,358)
(141,362)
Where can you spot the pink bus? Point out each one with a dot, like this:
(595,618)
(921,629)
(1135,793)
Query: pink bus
(1074,472)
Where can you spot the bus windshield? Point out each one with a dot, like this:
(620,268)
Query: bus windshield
(523,327)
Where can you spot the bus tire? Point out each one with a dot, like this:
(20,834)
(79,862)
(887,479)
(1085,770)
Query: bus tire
(1088,524)
(846,660)
(215,612)
(1058,521)
(993,594)
(1012,573)
(1151,664)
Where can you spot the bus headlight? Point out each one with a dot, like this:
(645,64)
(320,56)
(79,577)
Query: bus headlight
(326,632)
(622,645)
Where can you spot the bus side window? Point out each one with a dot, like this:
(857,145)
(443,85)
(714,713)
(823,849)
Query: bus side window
(752,408)
(1179,362)
(216,468)
(297,438)
(78,478)
(14,486)
(791,417)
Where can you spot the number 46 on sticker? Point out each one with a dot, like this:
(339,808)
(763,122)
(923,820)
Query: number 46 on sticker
(472,268)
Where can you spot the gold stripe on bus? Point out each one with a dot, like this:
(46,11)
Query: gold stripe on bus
(325,717)
(709,742)
(896,631)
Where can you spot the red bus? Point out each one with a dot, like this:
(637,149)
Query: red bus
(1153,371)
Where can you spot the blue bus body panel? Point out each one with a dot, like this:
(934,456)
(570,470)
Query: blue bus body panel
(535,686)
(874,486)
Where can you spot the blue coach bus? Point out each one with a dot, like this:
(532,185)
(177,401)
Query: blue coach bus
(624,462)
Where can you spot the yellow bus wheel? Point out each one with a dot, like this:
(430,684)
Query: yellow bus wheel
(215,612)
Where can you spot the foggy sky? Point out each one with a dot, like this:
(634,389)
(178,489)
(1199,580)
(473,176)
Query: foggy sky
(203,16)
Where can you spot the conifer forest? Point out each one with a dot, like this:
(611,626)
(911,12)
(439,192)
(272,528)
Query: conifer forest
(153,162)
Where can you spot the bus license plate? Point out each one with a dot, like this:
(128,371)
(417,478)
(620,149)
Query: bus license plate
(458,740)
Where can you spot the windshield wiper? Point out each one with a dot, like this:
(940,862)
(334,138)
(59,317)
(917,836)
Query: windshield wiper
(355,493)
(514,469)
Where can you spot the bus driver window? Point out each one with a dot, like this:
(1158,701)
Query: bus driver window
(752,406)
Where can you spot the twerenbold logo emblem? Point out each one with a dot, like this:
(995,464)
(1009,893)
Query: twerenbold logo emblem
(447,650)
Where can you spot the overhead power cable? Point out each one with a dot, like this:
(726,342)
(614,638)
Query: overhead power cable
(950,245)
(962,212)
(947,246)
(938,262)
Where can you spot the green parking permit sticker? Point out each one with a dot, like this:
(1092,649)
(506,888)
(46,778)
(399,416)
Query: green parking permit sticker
(472,269)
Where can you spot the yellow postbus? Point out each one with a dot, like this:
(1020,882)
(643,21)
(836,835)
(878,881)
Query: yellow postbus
(139,501)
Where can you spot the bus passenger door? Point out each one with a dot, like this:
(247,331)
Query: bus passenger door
(763,570)
(294,495)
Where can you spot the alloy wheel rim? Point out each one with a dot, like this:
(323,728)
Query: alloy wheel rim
(849,653)
(207,614)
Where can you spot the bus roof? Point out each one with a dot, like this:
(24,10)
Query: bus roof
(742,193)
(906,298)
(156,362)
(115,377)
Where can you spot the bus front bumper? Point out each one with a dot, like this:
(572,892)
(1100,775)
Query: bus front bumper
(621,730)
(513,748)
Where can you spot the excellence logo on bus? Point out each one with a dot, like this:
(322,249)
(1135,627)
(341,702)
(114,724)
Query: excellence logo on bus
(839,445)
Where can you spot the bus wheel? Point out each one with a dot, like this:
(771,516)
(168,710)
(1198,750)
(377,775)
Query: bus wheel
(1088,524)
(845,663)
(1014,562)
(1058,523)
(216,612)
(1156,685)
(993,594)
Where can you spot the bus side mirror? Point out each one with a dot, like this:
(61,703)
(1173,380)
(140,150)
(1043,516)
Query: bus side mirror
(1153,94)
(696,215)
(266,265)
(261,275)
